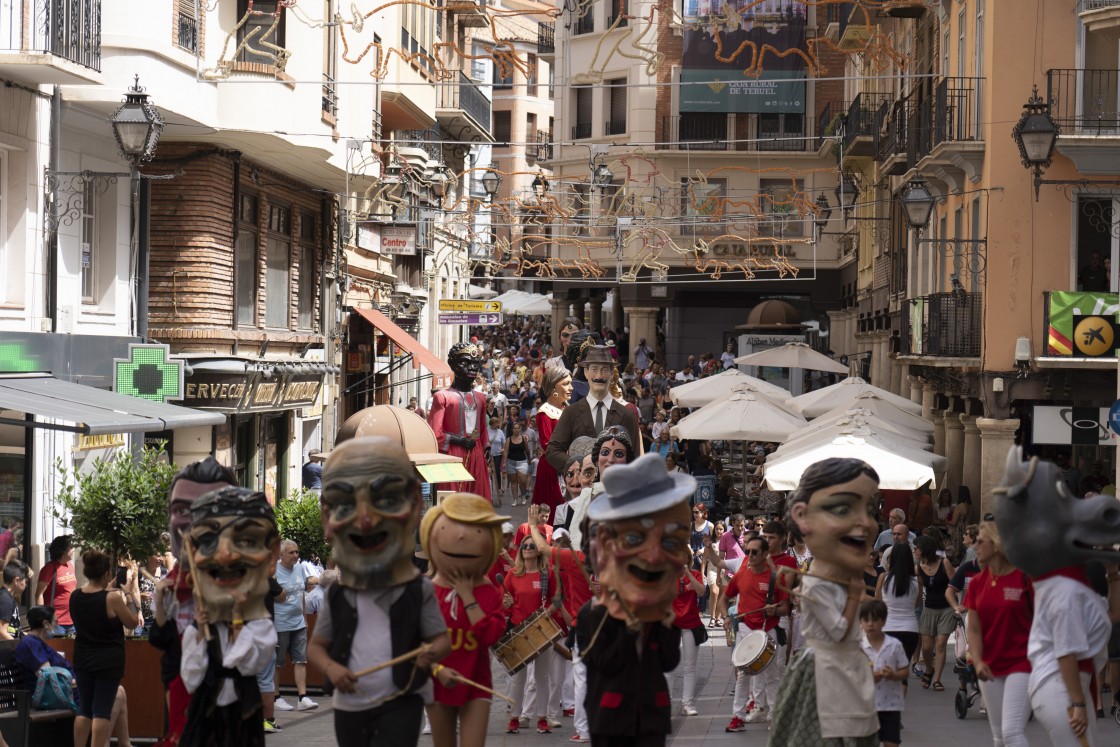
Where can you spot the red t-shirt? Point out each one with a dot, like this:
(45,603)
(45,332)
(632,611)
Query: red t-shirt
(470,644)
(751,589)
(576,588)
(526,592)
(685,608)
(784,559)
(1004,604)
(523,532)
(63,581)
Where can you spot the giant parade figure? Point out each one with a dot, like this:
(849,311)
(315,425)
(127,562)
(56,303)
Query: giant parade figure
(458,419)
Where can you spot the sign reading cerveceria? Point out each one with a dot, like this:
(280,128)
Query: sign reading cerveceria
(235,391)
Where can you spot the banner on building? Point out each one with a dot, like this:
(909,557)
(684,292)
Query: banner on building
(398,240)
(1082,325)
(740,60)
(1069,426)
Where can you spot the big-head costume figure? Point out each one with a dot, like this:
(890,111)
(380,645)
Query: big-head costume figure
(1051,535)
(593,413)
(458,418)
(381,608)
(641,527)
(233,545)
(462,537)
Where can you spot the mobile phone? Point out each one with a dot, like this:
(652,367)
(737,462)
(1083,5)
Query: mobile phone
(122,577)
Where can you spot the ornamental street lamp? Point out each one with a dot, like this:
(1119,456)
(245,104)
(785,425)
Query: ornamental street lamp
(824,212)
(540,185)
(847,192)
(917,203)
(602,176)
(490,181)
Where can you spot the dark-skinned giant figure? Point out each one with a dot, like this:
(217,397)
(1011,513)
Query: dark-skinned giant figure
(458,418)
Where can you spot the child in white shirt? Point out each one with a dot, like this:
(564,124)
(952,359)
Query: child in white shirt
(890,668)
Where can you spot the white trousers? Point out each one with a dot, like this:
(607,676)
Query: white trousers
(687,667)
(1049,701)
(542,668)
(760,687)
(1008,709)
(555,685)
(567,690)
(579,687)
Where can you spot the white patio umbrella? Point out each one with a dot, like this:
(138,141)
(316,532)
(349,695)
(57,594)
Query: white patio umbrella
(702,391)
(857,418)
(792,355)
(899,468)
(820,401)
(739,416)
(871,405)
(812,434)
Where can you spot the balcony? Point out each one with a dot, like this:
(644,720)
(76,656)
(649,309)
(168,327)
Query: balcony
(863,123)
(50,42)
(546,41)
(617,14)
(420,148)
(1084,104)
(1099,15)
(585,24)
(469,12)
(581,130)
(615,127)
(330,100)
(944,325)
(696,131)
(544,145)
(464,110)
(948,133)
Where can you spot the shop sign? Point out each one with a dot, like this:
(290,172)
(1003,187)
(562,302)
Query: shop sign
(398,240)
(1067,426)
(301,392)
(101,441)
(263,395)
(369,237)
(1082,325)
(215,391)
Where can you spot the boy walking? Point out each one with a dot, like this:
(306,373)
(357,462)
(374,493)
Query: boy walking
(889,667)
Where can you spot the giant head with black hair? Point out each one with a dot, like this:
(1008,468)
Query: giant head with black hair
(833,509)
(192,482)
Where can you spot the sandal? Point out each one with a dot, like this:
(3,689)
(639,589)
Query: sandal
(926,680)
(938,687)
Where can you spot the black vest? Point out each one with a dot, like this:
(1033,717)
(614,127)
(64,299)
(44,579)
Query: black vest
(404,630)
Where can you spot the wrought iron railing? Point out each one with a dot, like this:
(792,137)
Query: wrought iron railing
(430,141)
(832,115)
(948,115)
(618,13)
(546,38)
(330,96)
(186,36)
(70,29)
(1087,5)
(865,116)
(615,127)
(467,97)
(945,325)
(544,145)
(585,24)
(1084,101)
(699,131)
(581,130)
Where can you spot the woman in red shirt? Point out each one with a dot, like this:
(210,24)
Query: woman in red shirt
(1001,608)
(528,588)
(686,613)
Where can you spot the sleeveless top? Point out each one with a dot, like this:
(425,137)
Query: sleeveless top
(516,451)
(99,645)
(900,609)
(935,586)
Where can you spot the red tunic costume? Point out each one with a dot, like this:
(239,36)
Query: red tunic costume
(546,491)
(470,644)
(448,417)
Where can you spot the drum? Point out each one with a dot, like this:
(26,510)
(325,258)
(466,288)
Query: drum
(754,652)
(525,642)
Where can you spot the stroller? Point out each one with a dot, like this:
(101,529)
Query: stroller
(968,691)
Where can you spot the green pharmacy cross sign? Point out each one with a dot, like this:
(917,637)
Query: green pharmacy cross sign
(13,359)
(148,374)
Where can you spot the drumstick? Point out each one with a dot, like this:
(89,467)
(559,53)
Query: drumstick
(394,661)
(188,547)
(472,683)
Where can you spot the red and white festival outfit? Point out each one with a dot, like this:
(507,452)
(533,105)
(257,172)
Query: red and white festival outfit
(470,643)
(463,414)
(750,589)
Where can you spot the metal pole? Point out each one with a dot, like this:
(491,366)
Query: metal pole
(142,203)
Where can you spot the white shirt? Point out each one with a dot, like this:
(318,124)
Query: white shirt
(593,403)
(248,654)
(1069,618)
(888,693)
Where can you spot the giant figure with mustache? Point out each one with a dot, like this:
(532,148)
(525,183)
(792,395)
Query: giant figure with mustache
(382,607)
(595,412)
(233,546)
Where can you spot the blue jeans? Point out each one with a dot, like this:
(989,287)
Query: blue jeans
(62,630)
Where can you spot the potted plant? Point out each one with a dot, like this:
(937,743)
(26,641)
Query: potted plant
(299,519)
(120,505)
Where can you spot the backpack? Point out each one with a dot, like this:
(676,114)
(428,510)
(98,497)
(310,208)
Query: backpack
(53,691)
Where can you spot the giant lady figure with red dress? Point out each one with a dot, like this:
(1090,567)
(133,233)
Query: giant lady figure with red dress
(458,418)
(556,388)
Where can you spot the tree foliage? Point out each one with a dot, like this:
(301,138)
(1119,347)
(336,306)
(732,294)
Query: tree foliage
(298,518)
(120,505)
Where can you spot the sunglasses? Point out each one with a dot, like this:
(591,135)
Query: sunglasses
(528,546)
(753,552)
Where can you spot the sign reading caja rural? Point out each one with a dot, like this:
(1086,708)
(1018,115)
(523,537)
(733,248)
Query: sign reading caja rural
(478,307)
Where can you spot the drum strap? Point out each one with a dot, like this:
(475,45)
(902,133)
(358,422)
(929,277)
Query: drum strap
(770,590)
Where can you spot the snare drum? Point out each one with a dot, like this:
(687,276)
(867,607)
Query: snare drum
(754,652)
(524,643)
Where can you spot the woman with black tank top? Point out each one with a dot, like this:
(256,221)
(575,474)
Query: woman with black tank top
(938,618)
(99,612)
(516,457)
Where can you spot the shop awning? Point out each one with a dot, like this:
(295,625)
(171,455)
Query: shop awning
(93,411)
(421,356)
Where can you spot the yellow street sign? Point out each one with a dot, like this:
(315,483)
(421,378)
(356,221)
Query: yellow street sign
(455,304)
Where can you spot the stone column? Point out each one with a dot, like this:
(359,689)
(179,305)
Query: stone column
(886,361)
(915,389)
(597,315)
(954,449)
(938,418)
(997,436)
(560,308)
(970,466)
(643,323)
(876,359)
(899,373)
(928,398)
